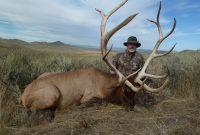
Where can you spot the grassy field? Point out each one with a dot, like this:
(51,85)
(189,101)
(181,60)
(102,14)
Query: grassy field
(177,110)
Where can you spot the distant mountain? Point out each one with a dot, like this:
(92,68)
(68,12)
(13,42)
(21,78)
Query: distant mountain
(57,47)
(184,51)
(114,49)
(18,43)
(58,44)
(37,42)
(12,42)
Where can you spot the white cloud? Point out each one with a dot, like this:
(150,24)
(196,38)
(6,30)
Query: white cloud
(77,22)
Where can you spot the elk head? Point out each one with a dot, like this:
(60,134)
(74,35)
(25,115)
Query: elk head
(140,75)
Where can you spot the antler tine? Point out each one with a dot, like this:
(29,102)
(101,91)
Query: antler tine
(160,55)
(171,31)
(158,76)
(107,52)
(152,21)
(156,89)
(100,11)
(118,27)
(116,8)
(158,21)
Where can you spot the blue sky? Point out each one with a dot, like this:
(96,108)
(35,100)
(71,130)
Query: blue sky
(76,22)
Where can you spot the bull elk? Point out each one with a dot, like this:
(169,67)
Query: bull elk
(60,90)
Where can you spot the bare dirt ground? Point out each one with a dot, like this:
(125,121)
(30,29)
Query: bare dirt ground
(170,116)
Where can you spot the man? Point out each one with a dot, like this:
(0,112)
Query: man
(128,62)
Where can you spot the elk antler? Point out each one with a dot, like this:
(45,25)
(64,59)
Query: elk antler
(104,41)
(142,74)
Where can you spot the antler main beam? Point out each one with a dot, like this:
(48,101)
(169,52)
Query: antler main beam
(105,36)
(154,54)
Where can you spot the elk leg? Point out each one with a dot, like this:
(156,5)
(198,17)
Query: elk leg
(89,100)
(49,113)
(45,97)
(86,98)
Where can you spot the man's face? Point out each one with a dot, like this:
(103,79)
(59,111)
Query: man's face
(131,47)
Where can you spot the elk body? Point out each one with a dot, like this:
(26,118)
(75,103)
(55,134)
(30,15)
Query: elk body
(76,87)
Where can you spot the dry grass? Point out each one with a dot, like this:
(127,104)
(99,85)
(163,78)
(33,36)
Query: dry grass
(169,118)
(177,110)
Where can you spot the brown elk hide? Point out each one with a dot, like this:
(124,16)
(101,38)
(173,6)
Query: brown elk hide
(64,89)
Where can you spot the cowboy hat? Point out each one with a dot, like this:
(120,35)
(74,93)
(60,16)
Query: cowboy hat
(132,40)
